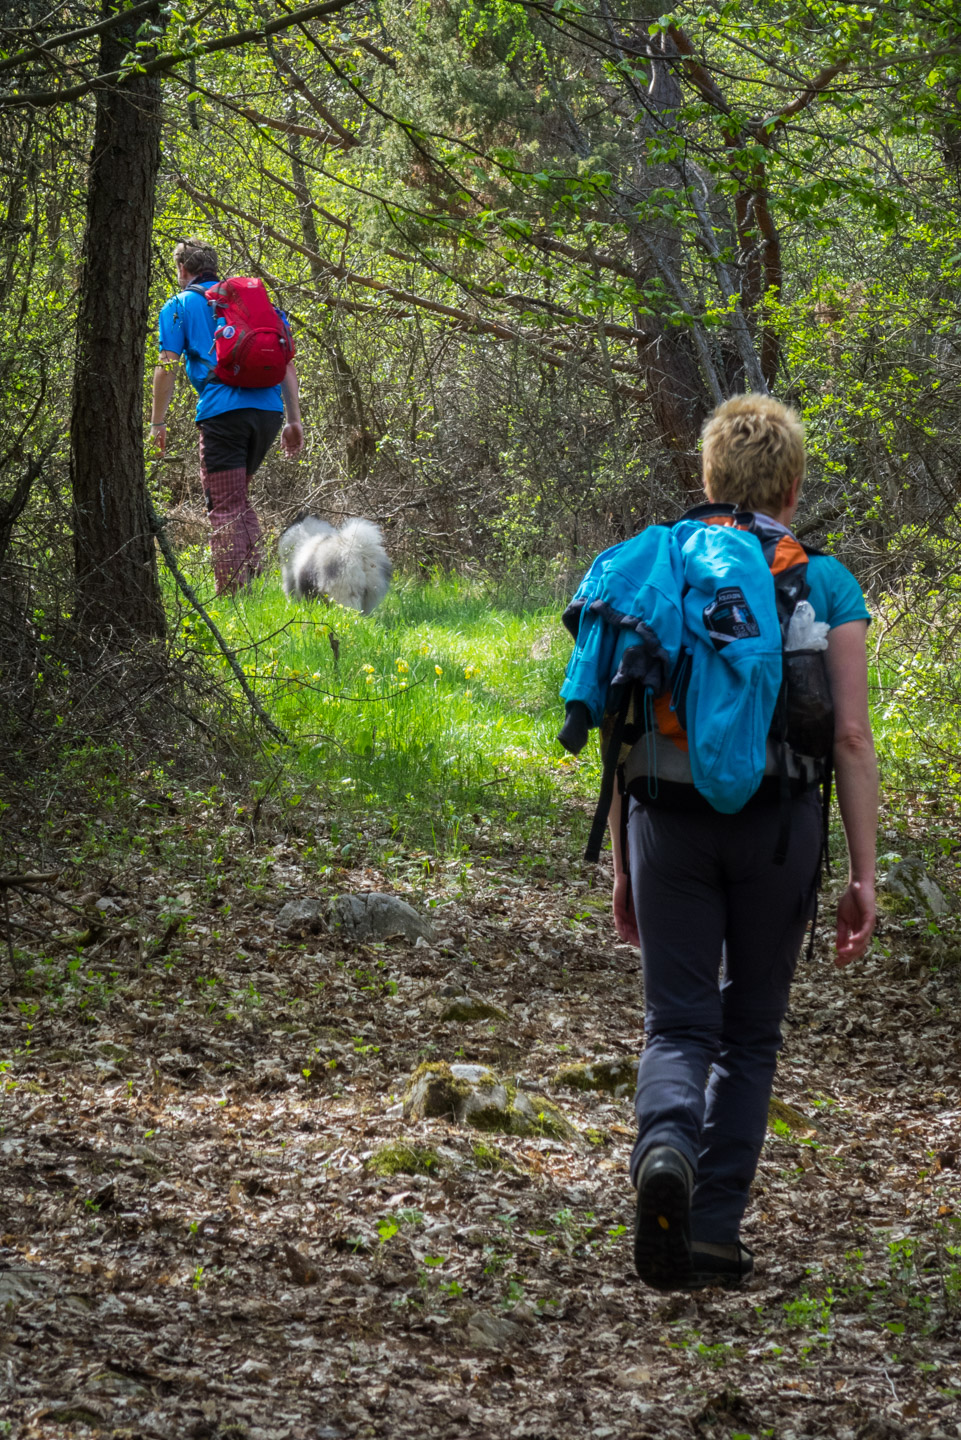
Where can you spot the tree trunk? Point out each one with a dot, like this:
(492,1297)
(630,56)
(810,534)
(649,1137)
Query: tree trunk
(115,559)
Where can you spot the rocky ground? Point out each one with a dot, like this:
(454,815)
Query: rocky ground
(218,1221)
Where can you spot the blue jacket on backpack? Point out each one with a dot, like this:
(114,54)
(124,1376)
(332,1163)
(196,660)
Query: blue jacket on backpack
(697,588)
(631,592)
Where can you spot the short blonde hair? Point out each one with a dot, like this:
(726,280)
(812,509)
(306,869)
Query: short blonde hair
(198,257)
(753,451)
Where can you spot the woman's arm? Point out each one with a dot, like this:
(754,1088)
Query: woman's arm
(856,780)
(625,920)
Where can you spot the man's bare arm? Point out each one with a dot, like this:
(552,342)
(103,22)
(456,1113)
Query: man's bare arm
(292,436)
(164,380)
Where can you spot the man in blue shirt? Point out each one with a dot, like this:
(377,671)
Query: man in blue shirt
(237,426)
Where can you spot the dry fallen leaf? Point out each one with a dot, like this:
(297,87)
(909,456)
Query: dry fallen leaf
(300,1267)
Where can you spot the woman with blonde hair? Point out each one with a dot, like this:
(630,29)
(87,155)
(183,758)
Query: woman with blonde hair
(720,918)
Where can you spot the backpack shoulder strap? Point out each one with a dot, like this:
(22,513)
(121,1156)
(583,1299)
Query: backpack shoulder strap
(193,353)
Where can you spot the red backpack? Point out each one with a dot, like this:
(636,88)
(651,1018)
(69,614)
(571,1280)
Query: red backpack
(252,339)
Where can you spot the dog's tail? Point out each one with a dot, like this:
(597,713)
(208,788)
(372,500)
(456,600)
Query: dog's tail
(366,564)
(360,535)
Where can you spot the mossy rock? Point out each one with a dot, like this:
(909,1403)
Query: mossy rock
(400,1157)
(467,1008)
(488,1157)
(434,1092)
(781,1111)
(534,1114)
(615,1075)
(473,1095)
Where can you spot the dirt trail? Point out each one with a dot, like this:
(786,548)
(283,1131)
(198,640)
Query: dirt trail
(196,1241)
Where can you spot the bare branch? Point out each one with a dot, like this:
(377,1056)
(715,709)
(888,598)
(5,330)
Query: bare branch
(324,137)
(319,108)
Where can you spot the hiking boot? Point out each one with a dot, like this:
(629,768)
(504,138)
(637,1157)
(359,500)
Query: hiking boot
(662,1226)
(730,1266)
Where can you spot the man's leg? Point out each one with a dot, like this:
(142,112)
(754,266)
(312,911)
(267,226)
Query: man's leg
(228,443)
(768,909)
(263,431)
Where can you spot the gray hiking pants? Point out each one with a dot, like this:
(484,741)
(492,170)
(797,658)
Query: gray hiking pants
(705,883)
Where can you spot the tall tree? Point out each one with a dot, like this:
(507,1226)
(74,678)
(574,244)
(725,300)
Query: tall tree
(50,60)
(116,571)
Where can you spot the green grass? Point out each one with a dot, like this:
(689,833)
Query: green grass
(442,705)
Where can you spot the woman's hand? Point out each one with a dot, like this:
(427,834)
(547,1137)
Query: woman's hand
(625,921)
(857,915)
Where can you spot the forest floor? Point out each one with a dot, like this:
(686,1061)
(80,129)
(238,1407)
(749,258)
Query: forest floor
(198,1239)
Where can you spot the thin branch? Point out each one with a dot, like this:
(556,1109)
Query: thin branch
(701,78)
(327,137)
(69,37)
(158,527)
(405,297)
(170,59)
(349,141)
(20,882)
(809,94)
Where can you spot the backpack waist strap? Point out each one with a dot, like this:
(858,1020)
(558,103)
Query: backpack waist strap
(673,795)
(671,764)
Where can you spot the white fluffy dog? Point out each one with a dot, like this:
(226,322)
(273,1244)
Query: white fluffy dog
(350,565)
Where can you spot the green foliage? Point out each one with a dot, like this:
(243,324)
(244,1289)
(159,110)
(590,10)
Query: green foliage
(441,705)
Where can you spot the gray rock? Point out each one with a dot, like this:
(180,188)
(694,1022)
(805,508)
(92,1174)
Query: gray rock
(907,879)
(488,1107)
(473,1095)
(493,1332)
(473,1074)
(377,917)
(301,917)
(467,1008)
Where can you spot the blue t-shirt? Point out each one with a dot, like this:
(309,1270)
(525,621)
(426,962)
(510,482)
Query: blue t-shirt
(186,327)
(835,594)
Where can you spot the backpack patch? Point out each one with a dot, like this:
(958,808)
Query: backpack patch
(729,617)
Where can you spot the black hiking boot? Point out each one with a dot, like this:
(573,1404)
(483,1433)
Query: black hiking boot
(729,1266)
(662,1226)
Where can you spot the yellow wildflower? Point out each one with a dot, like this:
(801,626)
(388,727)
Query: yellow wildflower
(438,670)
(367,669)
(402,666)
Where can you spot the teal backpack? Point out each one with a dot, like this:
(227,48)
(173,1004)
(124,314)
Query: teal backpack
(682,629)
